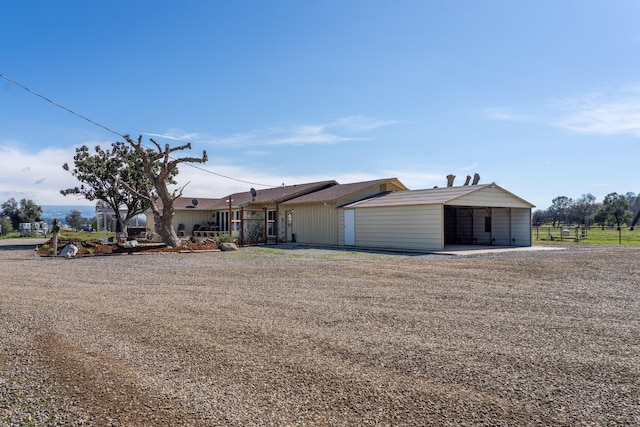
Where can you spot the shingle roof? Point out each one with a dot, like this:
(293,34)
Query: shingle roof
(268,195)
(182,203)
(339,191)
(279,194)
(431,196)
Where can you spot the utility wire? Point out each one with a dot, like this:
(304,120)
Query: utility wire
(10,80)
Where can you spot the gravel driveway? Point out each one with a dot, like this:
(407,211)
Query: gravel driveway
(312,337)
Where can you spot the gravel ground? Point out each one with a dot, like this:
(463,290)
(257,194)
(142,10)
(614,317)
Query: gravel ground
(311,337)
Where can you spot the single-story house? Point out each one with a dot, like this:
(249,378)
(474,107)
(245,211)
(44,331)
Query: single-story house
(258,207)
(433,219)
(380,214)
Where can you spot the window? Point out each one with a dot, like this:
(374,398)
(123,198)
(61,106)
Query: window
(271,223)
(236,221)
(487,224)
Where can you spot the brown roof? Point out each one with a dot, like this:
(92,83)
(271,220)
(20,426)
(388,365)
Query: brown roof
(267,195)
(340,191)
(275,194)
(202,204)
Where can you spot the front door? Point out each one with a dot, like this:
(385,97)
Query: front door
(288,225)
(349,227)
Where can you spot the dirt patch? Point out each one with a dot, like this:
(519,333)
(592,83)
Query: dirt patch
(107,390)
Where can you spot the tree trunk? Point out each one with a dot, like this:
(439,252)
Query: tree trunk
(159,168)
(164,228)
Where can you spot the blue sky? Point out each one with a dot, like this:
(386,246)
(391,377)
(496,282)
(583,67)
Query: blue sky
(541,97)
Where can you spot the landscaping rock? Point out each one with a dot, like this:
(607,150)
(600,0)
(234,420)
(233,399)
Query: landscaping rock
(228,247)
(69,251)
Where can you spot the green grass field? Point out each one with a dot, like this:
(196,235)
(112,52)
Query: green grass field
(609,236)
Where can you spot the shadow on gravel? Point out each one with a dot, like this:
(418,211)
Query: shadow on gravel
(346,250)
(28,247)
(20,245)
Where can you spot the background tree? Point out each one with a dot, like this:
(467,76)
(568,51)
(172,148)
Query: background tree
(11,210)
(539,217)
(160,168)
(581,211)
(30,211)
(74,219)
(634,203)
(25,211)
(615,209)
(6,226)
(559,208)
(102,175)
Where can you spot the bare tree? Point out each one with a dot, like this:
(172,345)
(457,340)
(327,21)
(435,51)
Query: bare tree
(159,167)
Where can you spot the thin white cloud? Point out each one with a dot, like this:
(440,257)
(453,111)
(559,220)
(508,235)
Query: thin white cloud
(176,135)
(40,181)
(345,129)
(359,123)
(501,114)
(603,113)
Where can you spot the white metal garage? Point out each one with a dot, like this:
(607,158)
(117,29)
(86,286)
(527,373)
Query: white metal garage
(430,220)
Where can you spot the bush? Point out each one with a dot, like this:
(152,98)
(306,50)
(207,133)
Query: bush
(226,238)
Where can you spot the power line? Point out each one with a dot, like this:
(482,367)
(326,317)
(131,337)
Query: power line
(10,80)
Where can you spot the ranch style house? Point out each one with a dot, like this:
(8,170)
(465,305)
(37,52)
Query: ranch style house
(379,214)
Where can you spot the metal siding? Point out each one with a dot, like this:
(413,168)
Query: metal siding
(480,237)
(500,227)
(488,196)
(315,224)
(465,226)
(521,226)
(413,228)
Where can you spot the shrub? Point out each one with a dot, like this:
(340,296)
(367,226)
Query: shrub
(226,238)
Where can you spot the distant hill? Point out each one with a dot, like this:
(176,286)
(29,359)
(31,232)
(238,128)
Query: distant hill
(49,212)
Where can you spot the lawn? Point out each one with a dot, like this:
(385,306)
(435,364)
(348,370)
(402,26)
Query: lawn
(601,235)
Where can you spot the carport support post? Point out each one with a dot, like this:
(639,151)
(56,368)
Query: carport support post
(229,219)
(275,224)
(241,225)
(510,233)
(490,227)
